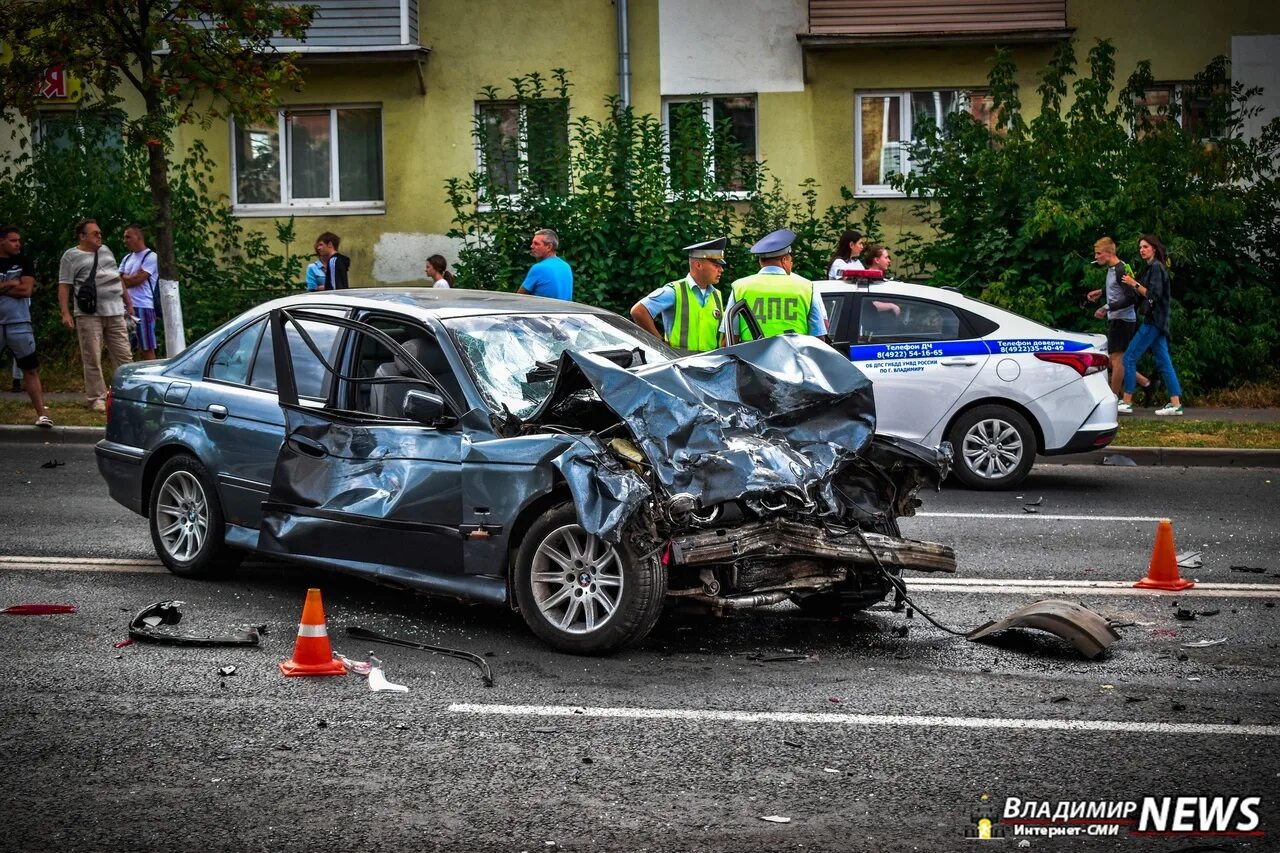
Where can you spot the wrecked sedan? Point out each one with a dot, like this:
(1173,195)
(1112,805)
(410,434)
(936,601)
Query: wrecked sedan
(520,451)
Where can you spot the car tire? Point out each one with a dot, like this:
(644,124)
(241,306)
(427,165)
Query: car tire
(567,579)
(186,521)
(994,446)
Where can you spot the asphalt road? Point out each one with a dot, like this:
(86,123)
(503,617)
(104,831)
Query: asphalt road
(872,741)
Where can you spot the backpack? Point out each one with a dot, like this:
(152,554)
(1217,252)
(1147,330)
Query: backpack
(87,290)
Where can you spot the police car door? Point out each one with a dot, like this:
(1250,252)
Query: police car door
(920,355)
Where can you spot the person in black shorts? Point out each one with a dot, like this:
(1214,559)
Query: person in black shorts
(1122,318)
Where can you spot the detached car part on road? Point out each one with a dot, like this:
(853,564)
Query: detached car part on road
(520,451)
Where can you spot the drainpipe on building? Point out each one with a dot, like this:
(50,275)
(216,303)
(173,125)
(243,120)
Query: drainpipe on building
(624,57)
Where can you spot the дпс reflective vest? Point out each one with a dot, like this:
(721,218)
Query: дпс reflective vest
(779,302)
(694,327)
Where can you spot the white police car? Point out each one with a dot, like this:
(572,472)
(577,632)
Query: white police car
(1001,388)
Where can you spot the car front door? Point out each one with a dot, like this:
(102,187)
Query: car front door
(357,490)
(921,356)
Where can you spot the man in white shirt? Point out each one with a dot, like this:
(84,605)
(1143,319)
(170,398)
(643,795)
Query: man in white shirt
(90,266)
(141,275)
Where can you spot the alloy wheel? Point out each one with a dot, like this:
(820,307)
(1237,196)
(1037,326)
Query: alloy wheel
(576,580)
(182,512)
(992,448)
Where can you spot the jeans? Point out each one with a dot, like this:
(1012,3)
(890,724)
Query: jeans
(1150,337)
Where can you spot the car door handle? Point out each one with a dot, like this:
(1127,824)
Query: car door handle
(959,361)
(308,446)
(219,412)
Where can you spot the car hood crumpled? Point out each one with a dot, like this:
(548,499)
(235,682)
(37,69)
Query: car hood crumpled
(763,418)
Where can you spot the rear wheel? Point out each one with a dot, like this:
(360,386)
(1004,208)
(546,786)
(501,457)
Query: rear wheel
(995,447)
(186,521)
(581,594)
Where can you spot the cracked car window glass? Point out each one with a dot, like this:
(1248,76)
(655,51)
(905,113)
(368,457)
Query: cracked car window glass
(502,350)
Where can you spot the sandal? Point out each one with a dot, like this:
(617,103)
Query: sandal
(44,422)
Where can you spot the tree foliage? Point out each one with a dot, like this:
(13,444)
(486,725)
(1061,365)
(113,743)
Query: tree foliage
(188,60)
(1013,213)
(224,269)
(624,198)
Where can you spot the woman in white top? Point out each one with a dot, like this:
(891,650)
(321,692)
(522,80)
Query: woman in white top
(846,256)
(437,270)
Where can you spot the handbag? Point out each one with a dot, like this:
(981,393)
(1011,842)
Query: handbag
(87,290)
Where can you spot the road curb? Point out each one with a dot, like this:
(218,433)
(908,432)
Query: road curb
(1185,457)
(56,435)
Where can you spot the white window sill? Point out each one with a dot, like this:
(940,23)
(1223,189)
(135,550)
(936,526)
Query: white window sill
(879,192)
(374,208)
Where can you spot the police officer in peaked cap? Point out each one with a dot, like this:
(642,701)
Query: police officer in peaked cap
(780,300)
(691,307)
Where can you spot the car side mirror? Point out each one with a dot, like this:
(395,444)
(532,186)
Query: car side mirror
(425,408)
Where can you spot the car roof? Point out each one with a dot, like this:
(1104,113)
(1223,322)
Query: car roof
(901,288)
(441,303)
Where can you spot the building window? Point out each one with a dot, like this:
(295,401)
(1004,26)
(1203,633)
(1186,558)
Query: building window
(524,146)
(885,124)
(330,156)
(93,130)
(710,140)
(1180,101)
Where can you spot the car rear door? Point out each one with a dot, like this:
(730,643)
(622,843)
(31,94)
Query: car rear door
(353,489)
(920,355)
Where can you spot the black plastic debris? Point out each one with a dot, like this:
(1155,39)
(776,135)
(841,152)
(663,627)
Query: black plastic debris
(1253,570)
(152,624)
(373,636)
(1029,509)
(53,463)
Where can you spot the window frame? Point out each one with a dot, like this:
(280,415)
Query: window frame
(1178,91)
(483,201)
(906,130)
(288,204)
(708,117)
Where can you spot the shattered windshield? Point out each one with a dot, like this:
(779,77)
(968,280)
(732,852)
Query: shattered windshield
(502,349)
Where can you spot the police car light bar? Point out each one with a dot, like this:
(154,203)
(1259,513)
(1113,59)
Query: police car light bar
(862,276)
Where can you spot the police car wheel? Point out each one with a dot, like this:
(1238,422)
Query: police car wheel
(995,447)
(581,594)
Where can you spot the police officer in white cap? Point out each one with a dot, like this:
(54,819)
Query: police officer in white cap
(690,308)
(780,300)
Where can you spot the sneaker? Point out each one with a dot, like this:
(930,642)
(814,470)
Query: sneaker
(1170,409)
(1124,408)
(44,422)
(99,405)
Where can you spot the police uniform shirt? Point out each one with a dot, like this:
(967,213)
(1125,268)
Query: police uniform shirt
(663,301)
(817,310)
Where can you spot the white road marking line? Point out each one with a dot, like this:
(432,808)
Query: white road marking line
(80,564)
(841,719)
(1021,586)
(1043,516)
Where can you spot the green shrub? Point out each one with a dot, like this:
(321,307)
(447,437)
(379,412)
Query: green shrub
(632,198)
(1012,215)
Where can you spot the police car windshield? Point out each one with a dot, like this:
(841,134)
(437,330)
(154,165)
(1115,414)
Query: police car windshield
(501,350)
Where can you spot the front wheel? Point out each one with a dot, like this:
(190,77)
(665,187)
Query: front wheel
(581,594)
(186,521)
(995,447)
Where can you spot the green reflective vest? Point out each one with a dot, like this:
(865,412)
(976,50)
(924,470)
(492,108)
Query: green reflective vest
(694,327)
(779,302)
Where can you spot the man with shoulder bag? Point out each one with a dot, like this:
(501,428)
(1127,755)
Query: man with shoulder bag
(99,310)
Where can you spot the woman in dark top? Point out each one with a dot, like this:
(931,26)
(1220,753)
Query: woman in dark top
(1152,285)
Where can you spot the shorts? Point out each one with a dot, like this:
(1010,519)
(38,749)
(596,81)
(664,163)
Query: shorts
(145,334)
(20,339)
(1119,333)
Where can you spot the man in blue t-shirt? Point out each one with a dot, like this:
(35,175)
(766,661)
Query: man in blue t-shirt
(550,276)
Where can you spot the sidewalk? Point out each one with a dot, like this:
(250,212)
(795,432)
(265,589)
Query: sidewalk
(1219,457)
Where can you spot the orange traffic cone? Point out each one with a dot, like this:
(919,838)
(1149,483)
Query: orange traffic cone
(1163,571)
(312,654)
